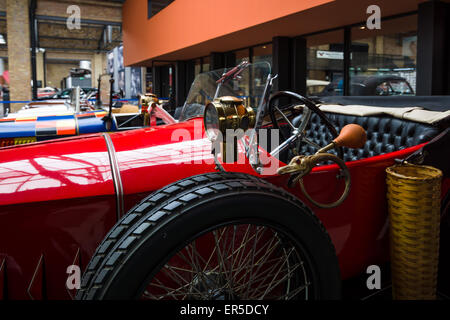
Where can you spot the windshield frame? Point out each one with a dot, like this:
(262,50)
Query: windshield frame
(216,83)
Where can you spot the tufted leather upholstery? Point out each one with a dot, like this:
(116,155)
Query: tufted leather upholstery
(384,134)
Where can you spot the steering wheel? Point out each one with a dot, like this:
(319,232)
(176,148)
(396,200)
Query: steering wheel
(298,132)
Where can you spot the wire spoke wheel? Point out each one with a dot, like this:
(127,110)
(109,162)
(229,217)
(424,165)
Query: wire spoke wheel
(225,236)
(237,261)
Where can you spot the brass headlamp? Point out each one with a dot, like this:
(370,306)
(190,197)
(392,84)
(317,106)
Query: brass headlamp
(225,113)
(145,101)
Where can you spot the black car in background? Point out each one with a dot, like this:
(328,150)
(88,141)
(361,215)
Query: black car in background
(378,85)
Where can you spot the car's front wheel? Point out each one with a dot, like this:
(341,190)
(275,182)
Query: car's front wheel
(238,238)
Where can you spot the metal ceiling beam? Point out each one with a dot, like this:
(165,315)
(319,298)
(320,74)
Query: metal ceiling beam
(55,23)
(64,61)
(74,49)
(102,36)
(33,43)
(83,21)
(66,38)
(72,39)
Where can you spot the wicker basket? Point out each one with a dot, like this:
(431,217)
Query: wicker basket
(413,194)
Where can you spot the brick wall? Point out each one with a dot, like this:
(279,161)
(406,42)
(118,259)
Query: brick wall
(96,10)
(56,72)
(19,59)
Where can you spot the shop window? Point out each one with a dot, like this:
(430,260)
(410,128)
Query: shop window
(242,55)
(197,67)
(325,64)
(149,9)
(383,62)
(149,80)
(263,53)
(205,64)
(155,6)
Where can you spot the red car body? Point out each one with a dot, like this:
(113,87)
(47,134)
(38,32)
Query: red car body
(59,199)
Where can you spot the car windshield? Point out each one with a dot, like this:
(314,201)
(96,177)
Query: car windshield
(400,87)
(248,84)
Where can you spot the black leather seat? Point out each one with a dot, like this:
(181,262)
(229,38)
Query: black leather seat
(384,134)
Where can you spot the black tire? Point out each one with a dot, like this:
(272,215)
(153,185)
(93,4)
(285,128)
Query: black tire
(135,213)
(170,219)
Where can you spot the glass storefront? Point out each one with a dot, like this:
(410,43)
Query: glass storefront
(254,54)
(197,66)
(325,63)
(153,7)
(263,53)
(383,62)
(242,55)
(205,64)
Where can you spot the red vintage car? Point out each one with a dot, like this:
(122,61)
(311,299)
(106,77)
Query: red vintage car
(164,213)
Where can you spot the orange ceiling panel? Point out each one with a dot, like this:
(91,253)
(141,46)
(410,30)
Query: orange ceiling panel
(188,29)
(185,23)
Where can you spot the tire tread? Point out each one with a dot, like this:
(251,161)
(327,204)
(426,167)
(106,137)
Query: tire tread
(170,200)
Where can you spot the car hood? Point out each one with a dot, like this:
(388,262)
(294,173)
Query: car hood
(83,166)
(139,161)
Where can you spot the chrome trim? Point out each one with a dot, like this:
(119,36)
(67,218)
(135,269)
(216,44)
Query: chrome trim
(76,262)
(77,127)
(114,122)
(3,280)
(118,187)
(36,271)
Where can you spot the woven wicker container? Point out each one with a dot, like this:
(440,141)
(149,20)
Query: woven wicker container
(413,194)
